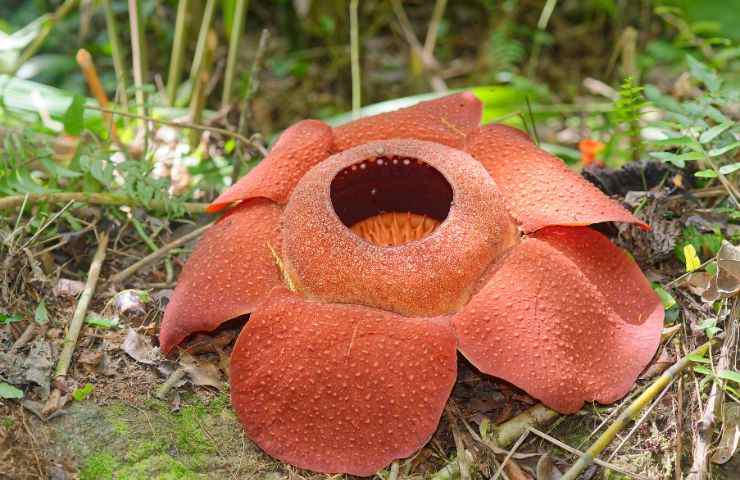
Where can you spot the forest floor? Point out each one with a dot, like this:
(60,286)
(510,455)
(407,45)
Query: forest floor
(106,419)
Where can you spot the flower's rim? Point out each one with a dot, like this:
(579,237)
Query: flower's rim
(437,273)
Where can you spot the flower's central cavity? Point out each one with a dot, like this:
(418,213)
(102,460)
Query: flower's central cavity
(391,200)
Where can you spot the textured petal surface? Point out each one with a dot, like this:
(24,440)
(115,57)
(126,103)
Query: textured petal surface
(445,120)
(431,276)
(299,148)
(228,273)
(567,317)
(539,189)
(340,388)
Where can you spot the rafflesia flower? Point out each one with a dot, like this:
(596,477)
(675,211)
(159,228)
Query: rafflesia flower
(369,254)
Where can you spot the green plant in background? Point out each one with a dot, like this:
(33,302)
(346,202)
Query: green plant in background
(628,110)
(697,130)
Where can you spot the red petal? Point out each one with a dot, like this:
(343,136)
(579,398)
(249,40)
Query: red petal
(445,120)
(567,316)
(228,273)
(337,387)
(540,190)
(299,148)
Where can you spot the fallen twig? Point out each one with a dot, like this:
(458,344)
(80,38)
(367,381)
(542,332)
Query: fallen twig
(25,337)
(630,412)
(509,431)
(154,256)
(75,325)
(171,381)
(92,198)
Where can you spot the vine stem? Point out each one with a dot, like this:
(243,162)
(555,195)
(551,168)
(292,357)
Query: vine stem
(194,126)
(157,254)
(92,198)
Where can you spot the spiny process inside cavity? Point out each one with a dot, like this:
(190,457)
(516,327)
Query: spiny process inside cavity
(395,228)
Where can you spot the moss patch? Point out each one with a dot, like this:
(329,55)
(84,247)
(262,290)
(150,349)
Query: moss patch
(202,440)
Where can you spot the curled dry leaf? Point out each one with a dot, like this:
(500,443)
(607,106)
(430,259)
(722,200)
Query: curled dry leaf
(131,301)
(66,287)
(201,372)
(140,348)
(731,437)
(725,283)
(728,269)
(546,469)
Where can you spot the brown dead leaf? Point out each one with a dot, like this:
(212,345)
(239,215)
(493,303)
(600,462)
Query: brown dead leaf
(728,269)
(201,371)
(140,348)
(66,287)
(90,359)
(546,469)
(731,435)
(131,301)
(515,472)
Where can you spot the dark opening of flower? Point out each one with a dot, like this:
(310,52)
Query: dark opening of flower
(407,237)
(390,200)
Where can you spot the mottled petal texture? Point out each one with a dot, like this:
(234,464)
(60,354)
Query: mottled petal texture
(428,277)
(566,316)
(539,189)
(446,120)
(299,148)
(340,388)
(230,271)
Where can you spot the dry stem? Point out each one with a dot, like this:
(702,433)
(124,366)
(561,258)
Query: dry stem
(75,325)
(92,198)
(156,255)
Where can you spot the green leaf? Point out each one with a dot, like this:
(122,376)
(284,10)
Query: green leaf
(58,170)
(73,118)
(730,375)
(714,132)
(697,358)
(677,159)
(8,318)
(677,141)
(9,391)
(666,299)
(42,314)
(97,320)
(703,73)
(703,370)
(82,393)
(716,152)
(728,169)
(708,173)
